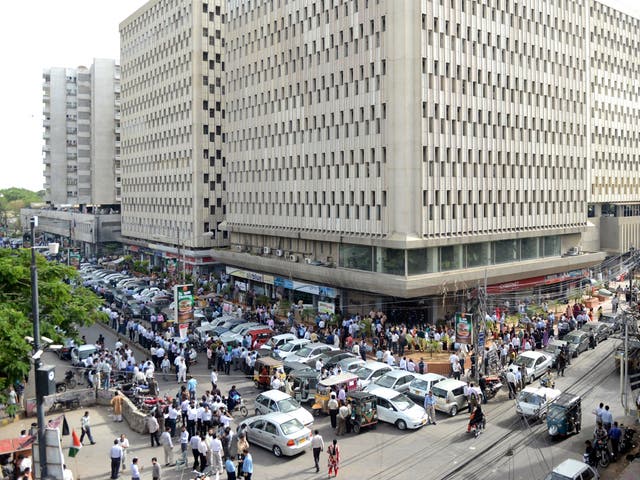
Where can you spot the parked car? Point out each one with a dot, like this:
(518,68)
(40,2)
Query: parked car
(370,372)
(398,409)
(331,358)
(578,342)
(533,365)
(421,384)
(397,380)
(572,469)
(450,397)
(279,432)
(278,401)
(290,348)
(80,353)
(533,402)
(553,349)
(309,352)
(279,341)
(601,331)
(613,320)
(351,364)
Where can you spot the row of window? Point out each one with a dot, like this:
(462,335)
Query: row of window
(441,259)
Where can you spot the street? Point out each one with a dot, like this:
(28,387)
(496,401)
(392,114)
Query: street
(508,448)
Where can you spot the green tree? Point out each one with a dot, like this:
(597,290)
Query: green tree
(64,306)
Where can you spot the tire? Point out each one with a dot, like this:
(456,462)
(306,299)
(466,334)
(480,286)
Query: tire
(401,424)
(61,387)
(604,460)
(277,451)
(356,427)
(243,411)
(72,383)
(454,411)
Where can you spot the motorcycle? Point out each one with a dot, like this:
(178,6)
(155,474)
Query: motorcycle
(239,406)
(546,382)
(476,426)
(602,453)
(493,385)
(626,442)
(69,382)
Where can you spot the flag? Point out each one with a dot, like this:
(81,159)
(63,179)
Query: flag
(76,446)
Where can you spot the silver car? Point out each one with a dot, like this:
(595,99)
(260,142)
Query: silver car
(397,380)
(280,433)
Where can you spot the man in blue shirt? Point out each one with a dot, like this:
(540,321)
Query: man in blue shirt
(615,434)
(430,407)
(192,385)
(247,464)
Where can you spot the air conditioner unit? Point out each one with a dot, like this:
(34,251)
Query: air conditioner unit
(293,258)
(279,253)
(266,250)
(574,251)
(239,248)
(308,261)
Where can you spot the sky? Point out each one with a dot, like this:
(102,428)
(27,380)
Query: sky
(39,34)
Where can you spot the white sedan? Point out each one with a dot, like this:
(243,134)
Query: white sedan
(398,409)
(532,364)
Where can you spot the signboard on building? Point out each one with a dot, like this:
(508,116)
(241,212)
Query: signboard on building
(183,299)
(464,328)
(326,307)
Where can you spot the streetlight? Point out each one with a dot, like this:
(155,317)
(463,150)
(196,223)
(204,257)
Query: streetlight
(35,311)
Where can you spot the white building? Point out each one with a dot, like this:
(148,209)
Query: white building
(172,164)
(416,146)
(82,134)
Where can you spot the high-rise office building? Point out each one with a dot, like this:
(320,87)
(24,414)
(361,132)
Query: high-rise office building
(173,191)
(82,134)
(416,146)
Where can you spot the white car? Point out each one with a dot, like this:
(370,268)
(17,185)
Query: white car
(534,402)
(397,380)
(278,341)
(398,409)
(290,348)
(370,372)
(422,383)
(278,432)
(572,469)
(533,365)
(278,401)
(310,351)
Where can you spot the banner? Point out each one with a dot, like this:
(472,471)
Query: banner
(464,328)
(183,330)
(183,299)
(326,307)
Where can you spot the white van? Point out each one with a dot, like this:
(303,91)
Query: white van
(534,402)
(450,396)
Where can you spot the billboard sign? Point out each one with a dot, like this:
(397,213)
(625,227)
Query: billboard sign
(183,299)
(464,328)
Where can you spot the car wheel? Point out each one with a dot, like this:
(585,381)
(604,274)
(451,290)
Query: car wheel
(401,424)
(356,427)
(61,388)
(454,411)
(277,451)
(243,411)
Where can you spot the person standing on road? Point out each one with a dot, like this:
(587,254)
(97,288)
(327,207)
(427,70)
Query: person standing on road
(334,458)
(135,469)
(247,464)
(154,433)
(156,471)
(615,434)
(116,403)
(511,383)
(230,468)
(124,444)
(184,445)
(343,414)
(607,418)
(167,445)
(192,386)
(317,444)
(116,458)
(216,455)
(332,406)
(194,442)
(86,428)
(430,407)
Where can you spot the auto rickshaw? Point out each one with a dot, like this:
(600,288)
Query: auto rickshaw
(304,383)
(348,381)
(364,412)
(564,415)
(263,369)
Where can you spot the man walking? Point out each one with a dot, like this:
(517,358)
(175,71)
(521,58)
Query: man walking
(430,407)
(154,430)
(607,418)
(86,428)
(317,443)
(167,445)
(116,457)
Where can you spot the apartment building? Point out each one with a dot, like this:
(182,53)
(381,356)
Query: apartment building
(173,191)
(82,134)
(407,148)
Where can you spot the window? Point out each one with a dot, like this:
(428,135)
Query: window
(389,260)
(356,256)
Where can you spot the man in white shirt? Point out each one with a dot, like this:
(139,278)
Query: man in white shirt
(116,457)
(215,446)
(317,444)
(167,445)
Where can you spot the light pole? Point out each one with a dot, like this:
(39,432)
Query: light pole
(35,312)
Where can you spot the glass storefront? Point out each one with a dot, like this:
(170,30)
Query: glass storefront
(446,258)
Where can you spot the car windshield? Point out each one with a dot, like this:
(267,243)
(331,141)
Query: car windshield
(287,347)
(530,397)
(525,361)
(402,402)
(363,373)
(572,339)
(556,412)
(237,328)
(419,384)
(305,352)
(291,426)
(386,381)
(288,405)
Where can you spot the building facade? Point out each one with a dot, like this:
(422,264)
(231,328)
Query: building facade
(173,191)
(82,134)
(408,148)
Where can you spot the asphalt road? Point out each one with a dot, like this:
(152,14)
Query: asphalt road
(509,449)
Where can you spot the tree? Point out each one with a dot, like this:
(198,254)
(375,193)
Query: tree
(64,306)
